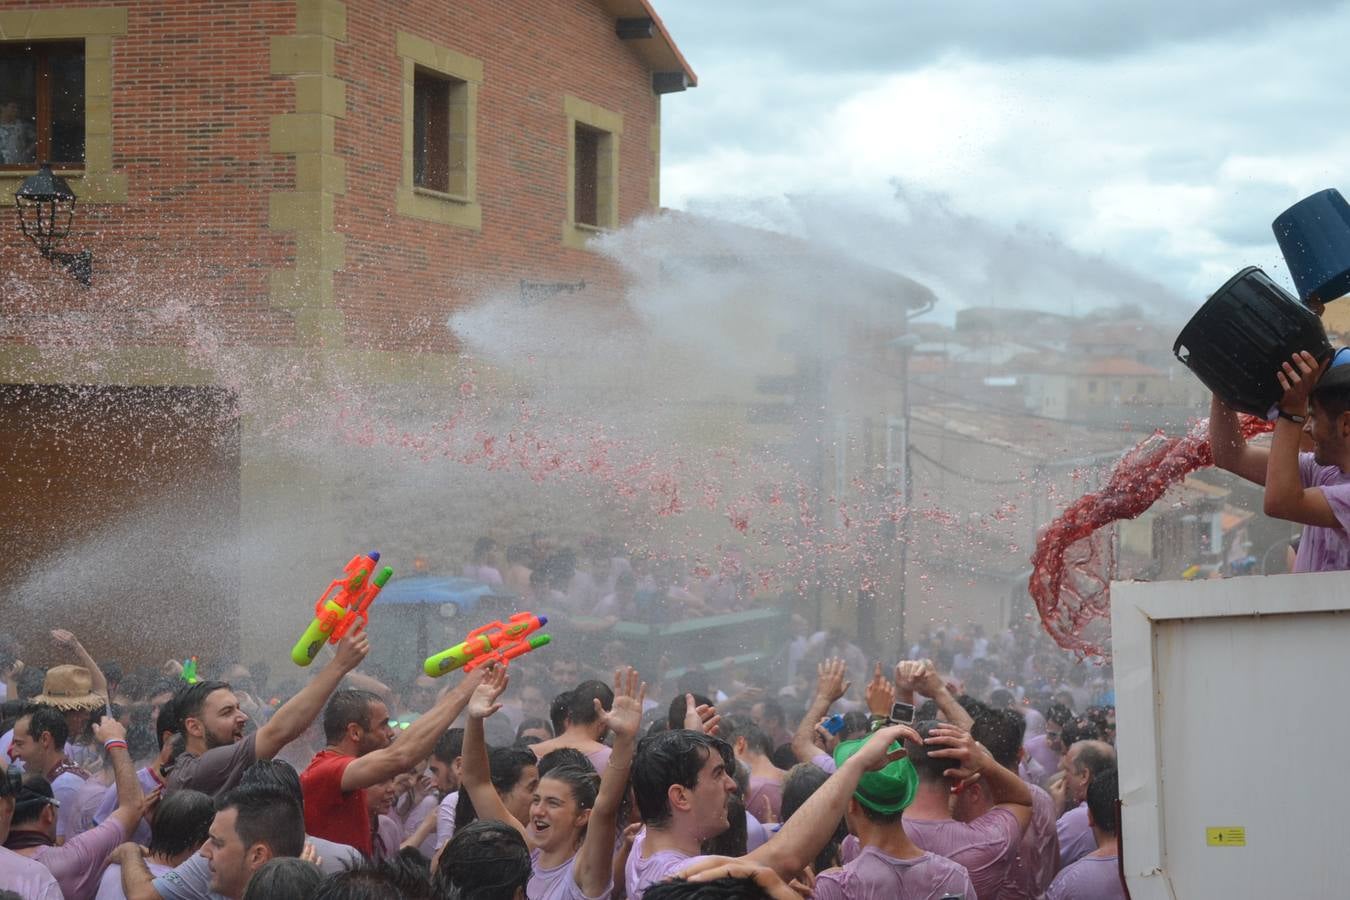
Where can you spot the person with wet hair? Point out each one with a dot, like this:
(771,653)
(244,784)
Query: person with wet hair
(946,759)
(572,816)
(191,879)
(77,864)
(532,731)
(1047,749)
(585,729)
(421,824)
(361,752)
(888,863)
(1084,762)
(802,781)
(764,795)
(30,880)
(736,880)
(1037,860)
(284,878)
(1097,875)
(40,738)
(513,774)
(182,821)
(682,784)
(396,878)
(215,748)
(485,860)
(1312,488)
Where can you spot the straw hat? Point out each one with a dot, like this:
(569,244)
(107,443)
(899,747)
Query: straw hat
(69,687)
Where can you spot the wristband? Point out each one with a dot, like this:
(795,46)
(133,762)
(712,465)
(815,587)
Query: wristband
(114,742)
(1297,420)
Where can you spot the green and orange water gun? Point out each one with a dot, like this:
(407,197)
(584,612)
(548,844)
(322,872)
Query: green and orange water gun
(343,605)
(496,642)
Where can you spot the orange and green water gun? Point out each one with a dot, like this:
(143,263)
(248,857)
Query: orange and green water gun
(345,604)
(498,642)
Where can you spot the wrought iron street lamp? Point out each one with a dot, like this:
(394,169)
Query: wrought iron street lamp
(46,211)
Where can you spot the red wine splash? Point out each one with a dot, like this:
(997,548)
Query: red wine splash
(1071,568)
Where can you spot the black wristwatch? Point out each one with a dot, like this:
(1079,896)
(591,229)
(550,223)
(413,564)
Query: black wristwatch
(1297,420)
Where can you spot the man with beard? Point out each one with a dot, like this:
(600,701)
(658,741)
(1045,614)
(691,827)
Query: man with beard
(211,724)
(681,783)
(361,754)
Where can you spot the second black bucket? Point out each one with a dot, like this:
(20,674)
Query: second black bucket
(1237,340)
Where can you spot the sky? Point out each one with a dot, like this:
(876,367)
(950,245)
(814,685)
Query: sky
(1155,140)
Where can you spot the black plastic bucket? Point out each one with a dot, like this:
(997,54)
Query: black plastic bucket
(1314,236)
(1237,340)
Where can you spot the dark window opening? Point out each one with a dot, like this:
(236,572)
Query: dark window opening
(586,190)
(431,131)
(41,104)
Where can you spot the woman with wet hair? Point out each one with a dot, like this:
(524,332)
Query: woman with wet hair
(485,860)
(285,876)
(571,820)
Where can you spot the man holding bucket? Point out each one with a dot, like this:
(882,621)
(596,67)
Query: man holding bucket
(1310,488)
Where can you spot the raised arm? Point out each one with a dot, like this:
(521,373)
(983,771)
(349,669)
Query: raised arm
(299,712)
(911,676)
(1286,497)
(1231,450)
(1007,790)
(810,827)
(476,777)
(592,870)
(69,642)
(831,684)
(130,798)
(137,881)
(416,743)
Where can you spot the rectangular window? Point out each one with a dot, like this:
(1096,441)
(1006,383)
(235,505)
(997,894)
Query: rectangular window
(42,104)
(587,186)
(431,132)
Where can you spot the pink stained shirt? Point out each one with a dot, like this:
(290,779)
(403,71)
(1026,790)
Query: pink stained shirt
(876,876)
(559,882)
(27,878)
(986,846)
(1325,549)
(1091,878)
(644,871)
(77,865)
(1076,839)
(1037,858)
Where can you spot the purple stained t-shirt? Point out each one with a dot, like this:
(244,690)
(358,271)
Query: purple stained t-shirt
(559,883)
(641,873)
(986,846)
(877,876)
(1091,878)
(1325,549)
(77,865)
(1037,858)
(1076,839)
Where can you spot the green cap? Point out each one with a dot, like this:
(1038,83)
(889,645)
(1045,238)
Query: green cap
(887,790)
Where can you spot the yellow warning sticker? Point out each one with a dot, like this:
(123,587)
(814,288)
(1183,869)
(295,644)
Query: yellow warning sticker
(1226,836)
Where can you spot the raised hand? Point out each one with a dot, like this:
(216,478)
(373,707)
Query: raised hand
(971,756)
(909,676)
(700,717)
(483,702)
(880,693)
(352,650)
(625,715)
(109,729)
(831,679)
(877,752)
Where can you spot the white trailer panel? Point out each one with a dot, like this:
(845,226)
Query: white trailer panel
(1231,702)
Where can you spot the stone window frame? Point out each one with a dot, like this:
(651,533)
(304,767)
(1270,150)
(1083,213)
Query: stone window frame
(461,210)
(97,182)
(579,112)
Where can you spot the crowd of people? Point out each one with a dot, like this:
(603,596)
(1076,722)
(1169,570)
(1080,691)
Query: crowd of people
(975,767)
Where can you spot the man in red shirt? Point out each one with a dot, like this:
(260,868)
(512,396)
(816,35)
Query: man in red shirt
(360,753)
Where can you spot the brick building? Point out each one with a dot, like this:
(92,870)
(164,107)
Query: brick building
(285,183)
